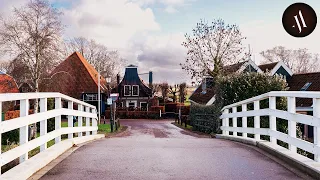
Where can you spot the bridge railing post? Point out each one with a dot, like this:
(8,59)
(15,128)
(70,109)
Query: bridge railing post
(244,119)
(256,107)
(292,129)
(80,108)
(23,135)
(87,120)
(234,121)
(43,123)
(94,121)
(58,105)
(0,132)
(70,119)
(225,122)
(272,119)
(316,129)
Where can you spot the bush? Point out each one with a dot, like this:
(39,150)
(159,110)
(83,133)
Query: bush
(237,87)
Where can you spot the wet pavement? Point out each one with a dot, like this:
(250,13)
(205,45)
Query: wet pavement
(159,150)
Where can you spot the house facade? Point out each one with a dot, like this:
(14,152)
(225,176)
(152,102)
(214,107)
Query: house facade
(133,92)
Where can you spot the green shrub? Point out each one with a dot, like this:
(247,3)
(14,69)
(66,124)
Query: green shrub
(237,87)
(11,136)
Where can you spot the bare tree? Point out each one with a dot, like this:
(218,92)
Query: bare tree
(33,36)
(299,61)
(211,46)
(97,55)
(182,92)
(4,66)
(164,91)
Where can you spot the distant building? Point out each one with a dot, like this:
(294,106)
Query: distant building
(75,77)
(133,92)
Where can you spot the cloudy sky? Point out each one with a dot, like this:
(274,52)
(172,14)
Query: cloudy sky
(149,33)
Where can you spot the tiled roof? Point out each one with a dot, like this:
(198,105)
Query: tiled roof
(233,67)
(297,81)
(201,98)
(8,84)
(269,66)
(74,76)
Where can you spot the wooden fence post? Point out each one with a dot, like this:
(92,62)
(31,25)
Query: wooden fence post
(244,120)
(316,129)
(80,108)
(234,121)
(292,129)
(272,119)
(24,111)
(256,105)
(70,119)
(43,123)
(57,105)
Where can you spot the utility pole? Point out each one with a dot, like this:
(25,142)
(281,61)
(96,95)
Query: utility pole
(99,94)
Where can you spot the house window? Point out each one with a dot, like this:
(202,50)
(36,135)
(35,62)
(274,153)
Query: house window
(127,90)
(143,106)
(135,90)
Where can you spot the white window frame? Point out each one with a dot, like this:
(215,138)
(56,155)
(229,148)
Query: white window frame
(124,93)
(137,90)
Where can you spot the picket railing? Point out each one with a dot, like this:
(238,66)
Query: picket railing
(231,111)
(85,113)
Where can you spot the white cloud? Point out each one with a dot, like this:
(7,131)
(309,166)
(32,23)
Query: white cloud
(170,9)
(109,22)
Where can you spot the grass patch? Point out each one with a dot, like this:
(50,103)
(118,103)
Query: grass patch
(104,128)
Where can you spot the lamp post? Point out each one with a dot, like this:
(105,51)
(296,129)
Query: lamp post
(108,79)
(99,101)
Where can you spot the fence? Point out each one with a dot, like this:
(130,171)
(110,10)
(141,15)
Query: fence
(274,115)
(85,112)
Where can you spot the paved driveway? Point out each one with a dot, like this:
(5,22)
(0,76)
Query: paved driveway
(159,150)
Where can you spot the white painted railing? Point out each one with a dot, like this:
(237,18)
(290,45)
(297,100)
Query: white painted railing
(85,113)
(230,112)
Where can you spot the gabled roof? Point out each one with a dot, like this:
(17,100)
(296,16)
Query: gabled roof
(268,66)
(131,77)
(274,67)
(240,67)
(8,84)
(75,76)
(233,67)
(200,97)
(297,81)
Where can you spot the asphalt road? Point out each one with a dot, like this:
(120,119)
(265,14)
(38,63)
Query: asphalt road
(158,150)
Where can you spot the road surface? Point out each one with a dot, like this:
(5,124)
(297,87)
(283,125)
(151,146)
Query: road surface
(159,150)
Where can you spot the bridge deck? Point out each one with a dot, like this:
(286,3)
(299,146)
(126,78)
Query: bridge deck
(159,150)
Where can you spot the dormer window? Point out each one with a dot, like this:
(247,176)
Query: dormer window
(135,90)
(127,90)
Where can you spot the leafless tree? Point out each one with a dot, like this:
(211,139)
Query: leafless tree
(4,66)
(211,46)
(299,61)
(97,55)
(182,91)
(164,91)
(33,35)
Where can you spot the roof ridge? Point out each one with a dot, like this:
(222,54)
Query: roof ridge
(89,68)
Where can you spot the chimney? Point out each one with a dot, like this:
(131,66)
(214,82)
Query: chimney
(150,78)
(204,86)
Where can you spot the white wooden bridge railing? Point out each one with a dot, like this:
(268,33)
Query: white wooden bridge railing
(230,112)
(85,113)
